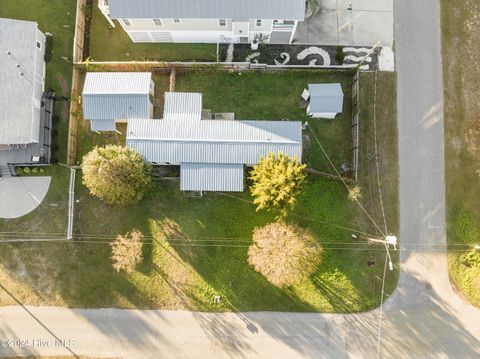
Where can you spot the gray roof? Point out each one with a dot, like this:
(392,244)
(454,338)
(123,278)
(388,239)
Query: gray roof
(213,141)
(19,120)
(116,95)
(182,106)
(211,177)
(208,9)
(103,125)
(326,98)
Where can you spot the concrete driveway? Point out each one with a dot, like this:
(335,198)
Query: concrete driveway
(349,23)
(21,195)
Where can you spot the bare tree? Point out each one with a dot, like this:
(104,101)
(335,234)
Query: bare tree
(283,253)
(127,251)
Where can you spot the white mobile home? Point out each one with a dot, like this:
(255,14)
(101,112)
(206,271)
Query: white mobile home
(206,21)
(211,153)
(115,97)
(25,112)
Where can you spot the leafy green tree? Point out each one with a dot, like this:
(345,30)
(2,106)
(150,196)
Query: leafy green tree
(277,181)
(284,254)
(127,251)
(116,174)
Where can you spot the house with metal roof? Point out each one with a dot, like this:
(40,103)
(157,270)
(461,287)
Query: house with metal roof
(115,97)
(206,21)
(25,111)
(324,100)
(212,154)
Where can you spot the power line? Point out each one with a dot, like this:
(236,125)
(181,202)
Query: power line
(376,149)
(340,245)
(14,236)
(343,181)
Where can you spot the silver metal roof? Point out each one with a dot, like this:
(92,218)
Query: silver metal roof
(211,177)
(116,95)
(108,83)
(213,141)
(183,106)
(208,9)
(326,98)
(19,119)
(102,125)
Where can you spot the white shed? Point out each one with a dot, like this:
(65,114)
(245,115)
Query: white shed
(324,100)
(115,97)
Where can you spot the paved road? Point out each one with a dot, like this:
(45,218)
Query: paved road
(423,319)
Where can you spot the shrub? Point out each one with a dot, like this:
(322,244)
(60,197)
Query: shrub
(277,181)
(284,254)
(127,251)
(470,259)
(116,174)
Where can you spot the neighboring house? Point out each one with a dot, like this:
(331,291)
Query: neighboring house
(115,97)
(206,21)
(25,112)
(211,153)
(324,100)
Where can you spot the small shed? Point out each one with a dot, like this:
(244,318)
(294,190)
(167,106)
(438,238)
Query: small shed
(324,100)
(113,97)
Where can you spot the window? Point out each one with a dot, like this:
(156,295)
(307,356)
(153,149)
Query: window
(127,22)
(222,22)
(157,22)
(177,21)
(259,22)
(285,24)
(39,45)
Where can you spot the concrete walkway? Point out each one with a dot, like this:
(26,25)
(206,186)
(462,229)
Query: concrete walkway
(423,319)
(21,195)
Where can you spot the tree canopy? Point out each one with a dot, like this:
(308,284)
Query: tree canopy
(283,253)
(116,174)
(277,181)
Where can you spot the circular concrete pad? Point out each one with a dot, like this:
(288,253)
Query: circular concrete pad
(21,195)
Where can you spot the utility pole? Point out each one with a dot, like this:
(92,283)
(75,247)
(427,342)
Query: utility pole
(387,241)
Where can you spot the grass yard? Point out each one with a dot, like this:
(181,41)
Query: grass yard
(460,42)
(273,96)
(197,247)
(57,18)
(113,44)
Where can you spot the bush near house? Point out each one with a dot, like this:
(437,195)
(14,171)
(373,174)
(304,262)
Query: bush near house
(277,181)
(116,174)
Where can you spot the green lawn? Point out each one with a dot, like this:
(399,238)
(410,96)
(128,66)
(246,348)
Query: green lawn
(113,44)
(208,237)
(460,43)
(273,96)
(57,18)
